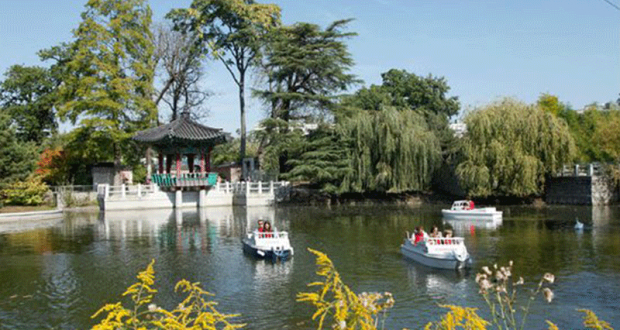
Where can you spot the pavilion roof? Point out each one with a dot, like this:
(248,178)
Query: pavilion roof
(182,130)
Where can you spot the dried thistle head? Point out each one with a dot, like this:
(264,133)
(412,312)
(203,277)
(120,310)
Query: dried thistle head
(520,281)
(501,288)
(485,285)
(510,263)
(480,277)
(487,270)
(548,294)
(506,271)
(499,276)
(549,278)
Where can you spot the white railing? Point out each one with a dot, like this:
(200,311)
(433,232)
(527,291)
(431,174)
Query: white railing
(124,191)
(590,169)
(270,235)
(258,188)
(272,188)
(444,241)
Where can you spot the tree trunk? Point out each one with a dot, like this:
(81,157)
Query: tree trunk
(242,113)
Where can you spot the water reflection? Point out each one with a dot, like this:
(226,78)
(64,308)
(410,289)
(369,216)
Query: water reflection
(462,226)
(436,283)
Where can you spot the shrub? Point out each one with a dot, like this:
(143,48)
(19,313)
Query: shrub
(336,304)
(194,312)
(29,192)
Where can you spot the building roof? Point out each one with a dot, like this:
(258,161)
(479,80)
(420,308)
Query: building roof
(183,130)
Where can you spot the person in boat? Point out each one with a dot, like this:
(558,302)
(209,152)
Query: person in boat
(261,226)
(448,233)
(471,205)
(267,229)
(435,232)
(418,235)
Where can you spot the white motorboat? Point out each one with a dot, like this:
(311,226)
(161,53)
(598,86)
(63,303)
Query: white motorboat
(446,253)
(269,245)
(461,210)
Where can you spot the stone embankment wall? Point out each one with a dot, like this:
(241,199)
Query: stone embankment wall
(580,190)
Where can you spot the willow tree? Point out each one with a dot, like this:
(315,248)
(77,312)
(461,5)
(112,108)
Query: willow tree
(390,151)
(108,81)
(509,147)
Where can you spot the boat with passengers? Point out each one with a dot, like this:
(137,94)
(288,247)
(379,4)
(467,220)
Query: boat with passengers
(464,210)
(269,245)
(437,252)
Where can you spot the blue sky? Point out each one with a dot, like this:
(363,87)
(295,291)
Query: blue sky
(485,49)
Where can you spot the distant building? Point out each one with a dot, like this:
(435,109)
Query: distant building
(459,129)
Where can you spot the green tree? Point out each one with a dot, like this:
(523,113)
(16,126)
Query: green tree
(108,81)
(550,103)
(233,30)
(306,67)
(27,95)
(509,147)
(323,161)
(389,151)
(17,158)
(407,91)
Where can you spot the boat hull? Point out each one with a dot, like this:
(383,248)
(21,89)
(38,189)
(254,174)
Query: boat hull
(264,253)
(418,253)
(482,214)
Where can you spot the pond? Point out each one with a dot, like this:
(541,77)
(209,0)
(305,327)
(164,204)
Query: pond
(56,274)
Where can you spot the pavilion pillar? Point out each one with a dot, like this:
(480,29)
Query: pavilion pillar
(178,165)
(190,162)
(168,163)
(208,165)
(202,161)
(160,162)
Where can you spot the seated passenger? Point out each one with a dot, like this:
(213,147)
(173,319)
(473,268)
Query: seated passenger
(471,205)
(435,232)
(267,229)
(448,233)
(260,226)
(418,235)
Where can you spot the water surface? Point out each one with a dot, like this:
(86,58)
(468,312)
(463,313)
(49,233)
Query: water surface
(56,274)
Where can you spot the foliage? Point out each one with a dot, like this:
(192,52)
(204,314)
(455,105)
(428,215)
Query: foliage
(228,152)
(305,67)
(17,158)
(234,31)
(407,91)
(107,83)
(194,312)
(509,147)
(323,161)
(459,318)
(550,103)
(390,150)
(591,321)
(27,95)
(337,305)
(278,141)
(52,166)
(404,91)
(28,192)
